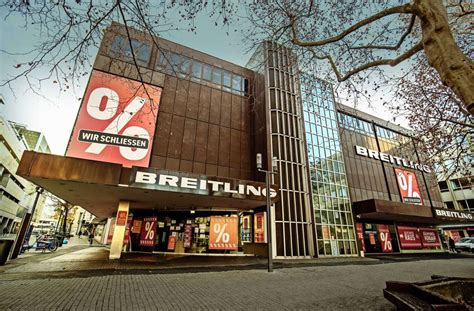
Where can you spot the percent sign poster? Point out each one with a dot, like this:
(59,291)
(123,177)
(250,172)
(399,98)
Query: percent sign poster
(408,186)
(116,121)
(223,233)
(148,232)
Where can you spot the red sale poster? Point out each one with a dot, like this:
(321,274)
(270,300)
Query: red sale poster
(360,235)
(126,237)
(385,238)
(260,222)
(409,237)
(430,237)
(187,235)
(116,121)
(408,186)
(148,233)
(223,233)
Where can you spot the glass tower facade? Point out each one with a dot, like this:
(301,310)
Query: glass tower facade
(330,195)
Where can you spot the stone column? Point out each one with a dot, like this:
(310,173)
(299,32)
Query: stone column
(119,230)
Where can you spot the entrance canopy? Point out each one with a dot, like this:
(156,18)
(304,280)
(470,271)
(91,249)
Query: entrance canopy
(98,186)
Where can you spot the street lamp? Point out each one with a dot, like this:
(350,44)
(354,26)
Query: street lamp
(267,182)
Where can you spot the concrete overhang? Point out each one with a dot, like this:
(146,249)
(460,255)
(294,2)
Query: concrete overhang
(98,187)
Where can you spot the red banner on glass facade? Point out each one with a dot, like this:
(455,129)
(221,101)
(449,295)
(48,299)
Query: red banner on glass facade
(429,237)
(385,238)
(409,237)
(360,235)
(223,233)
(126,237)
(116,121)
(408,186)
(148,232)
(260,222)
(187,235)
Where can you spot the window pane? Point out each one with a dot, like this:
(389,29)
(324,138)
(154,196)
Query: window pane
(216,75)
(141,50)
(197,67)
(226,78)
(206,72)
(237,83)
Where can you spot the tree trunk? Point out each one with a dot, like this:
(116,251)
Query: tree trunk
(455,69)
(66,211)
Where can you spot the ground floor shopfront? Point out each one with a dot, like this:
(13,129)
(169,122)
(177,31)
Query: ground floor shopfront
(193,232)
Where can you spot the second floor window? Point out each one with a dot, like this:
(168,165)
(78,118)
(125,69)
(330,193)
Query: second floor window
(121,49)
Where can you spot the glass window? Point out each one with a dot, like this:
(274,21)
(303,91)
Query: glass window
(237,83)
(443,186)
(197,68)
(121,49)
(227,80)
(216,75)
(206,72)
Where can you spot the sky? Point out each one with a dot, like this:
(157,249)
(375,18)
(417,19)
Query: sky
(53,112)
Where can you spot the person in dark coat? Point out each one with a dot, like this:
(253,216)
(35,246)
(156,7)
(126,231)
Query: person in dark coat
(452,245)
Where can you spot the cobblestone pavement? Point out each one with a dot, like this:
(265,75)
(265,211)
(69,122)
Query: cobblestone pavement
(340,287)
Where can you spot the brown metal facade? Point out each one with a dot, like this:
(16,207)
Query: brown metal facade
(202,127)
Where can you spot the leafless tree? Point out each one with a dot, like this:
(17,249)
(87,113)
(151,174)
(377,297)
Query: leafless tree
(354,39)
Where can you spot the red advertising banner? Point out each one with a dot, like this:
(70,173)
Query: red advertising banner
(429,237)
(137,226)
(121,218)
(260,224)
(360,235)
(409,237)
(408,186)
(223,233)
(147,235)
(110,234)
(116,121)
(385,238)
(187,235)
(126,237)
(171,243)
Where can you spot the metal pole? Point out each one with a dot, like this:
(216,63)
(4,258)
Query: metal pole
(269,235)
(25,224)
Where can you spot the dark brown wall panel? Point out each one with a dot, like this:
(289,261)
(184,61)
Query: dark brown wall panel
(236,113)
(176,136)
(235,149)
(226,111)
(167,97)
(215,110)
(204,103)
(187,149)
(200,150)
(224,146)
(213,144)
(192,107)
(181,98)
(162,134)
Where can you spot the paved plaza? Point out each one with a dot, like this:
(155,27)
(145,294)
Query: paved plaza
(93,285)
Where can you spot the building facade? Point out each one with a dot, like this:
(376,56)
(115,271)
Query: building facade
(164,147)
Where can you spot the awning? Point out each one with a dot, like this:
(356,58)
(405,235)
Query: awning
(374,209)
(99,186)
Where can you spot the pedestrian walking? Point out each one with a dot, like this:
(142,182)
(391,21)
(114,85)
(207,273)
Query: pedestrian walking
(91,237)
(452,245)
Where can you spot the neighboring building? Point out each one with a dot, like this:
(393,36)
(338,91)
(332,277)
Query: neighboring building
(166,153)
(33,141)
(458,195)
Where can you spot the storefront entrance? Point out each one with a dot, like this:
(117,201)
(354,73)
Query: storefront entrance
(192,232)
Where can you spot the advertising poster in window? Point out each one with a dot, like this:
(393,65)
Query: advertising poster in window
(223,233)
(360,235)
(126,237)
(260,224)
(110,234)
(246,230)
(187,235)
(136,226)
(116,121)
(148,232)
(408,186)
(385,238)
(429,237)
(409,237)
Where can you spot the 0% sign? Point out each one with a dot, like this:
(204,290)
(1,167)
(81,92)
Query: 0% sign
(222,235)
(386,242)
